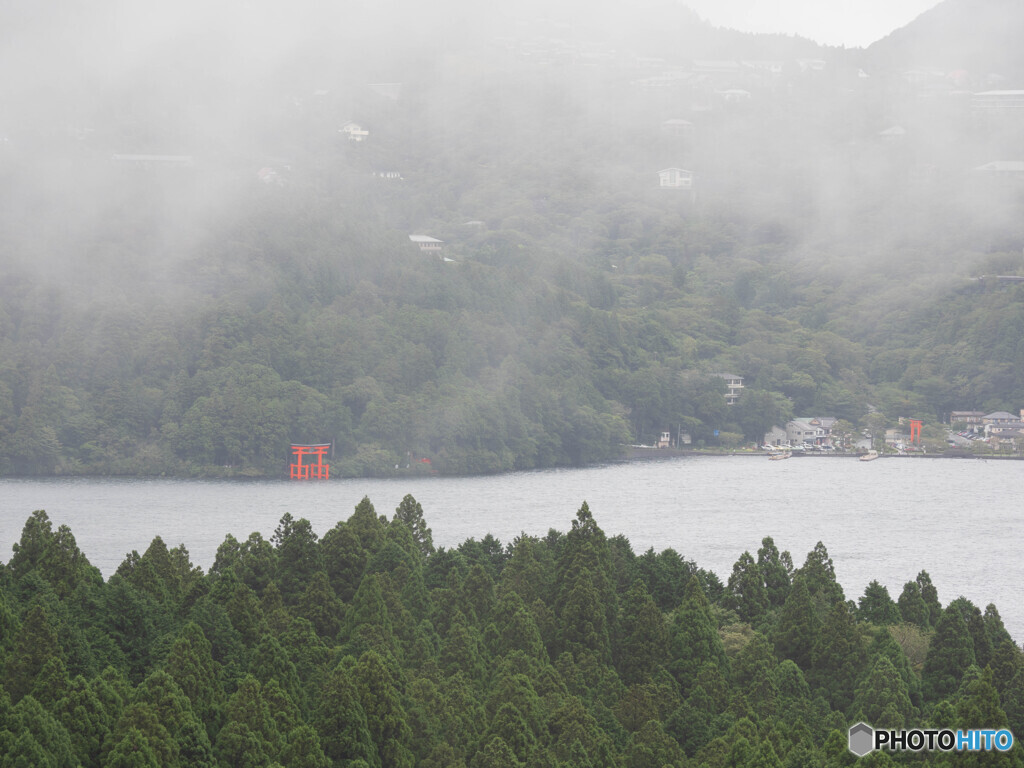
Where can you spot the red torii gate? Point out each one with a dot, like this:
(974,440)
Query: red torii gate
(915,431)
(318,471)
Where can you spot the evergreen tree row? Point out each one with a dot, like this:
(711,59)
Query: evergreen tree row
(370,648)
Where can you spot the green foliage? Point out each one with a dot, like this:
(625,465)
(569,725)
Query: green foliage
(912,606)
(980,638)
(930,595)
(53,555)
(298,557)
(798,625)
(820,576)
(582,309)
(644,642)
(379,696)
(882,698)
(131,618)
(367,621)
(516,629)
(191,665)
(134,751)
(86,718)
(586,603)
(410,512)
(37,737)
(344,560)
(174,712)
(758,411)
(302,749)
(321,607)
(341,720)
(474,656)
(666,575)
(745,591)
(693,638)
(950,654)
(775,570)
(34,647)
(877,607)
(250,735)
(979,703)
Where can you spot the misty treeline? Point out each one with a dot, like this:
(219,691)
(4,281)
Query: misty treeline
(250,282)
(371,647)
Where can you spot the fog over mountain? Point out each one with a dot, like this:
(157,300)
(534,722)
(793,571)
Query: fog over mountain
(194,192)
(839,23)
(976,38)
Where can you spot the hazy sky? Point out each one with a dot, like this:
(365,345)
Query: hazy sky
(853,23)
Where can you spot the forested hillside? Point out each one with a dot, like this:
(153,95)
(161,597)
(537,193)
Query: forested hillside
(369,647)
(199,265)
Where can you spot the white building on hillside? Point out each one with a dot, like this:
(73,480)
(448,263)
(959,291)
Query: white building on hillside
(734,385)
(427,243)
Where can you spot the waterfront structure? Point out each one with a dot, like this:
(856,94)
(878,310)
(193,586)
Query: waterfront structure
(318,471)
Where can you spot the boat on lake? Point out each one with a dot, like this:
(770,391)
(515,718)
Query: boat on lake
(779,455)
(869,456)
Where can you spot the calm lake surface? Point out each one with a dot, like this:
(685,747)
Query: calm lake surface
(961,520)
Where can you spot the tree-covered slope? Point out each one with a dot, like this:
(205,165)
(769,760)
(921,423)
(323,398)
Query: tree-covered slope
(245,278)
(369,647)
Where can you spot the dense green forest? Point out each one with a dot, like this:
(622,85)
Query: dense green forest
(369,647)
(197,318)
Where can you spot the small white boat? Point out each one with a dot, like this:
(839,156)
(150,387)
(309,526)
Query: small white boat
(869,456)
(779,456)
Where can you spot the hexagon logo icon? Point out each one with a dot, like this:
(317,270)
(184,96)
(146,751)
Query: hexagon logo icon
(862,739)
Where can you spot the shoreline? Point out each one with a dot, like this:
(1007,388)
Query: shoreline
(630,455)
(661,454)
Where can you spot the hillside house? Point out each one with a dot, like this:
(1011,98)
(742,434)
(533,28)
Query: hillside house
(427,243)
(774,68)
(354,131)
(1001,421)
(1006,171)
(735,96)
(675,178)
(811,65)
(998,103)
(970,418)
(995,416)
(896,438)
(654,84)
(269,175)
(1012,439)
(734,387)
(894,134)
(677,127)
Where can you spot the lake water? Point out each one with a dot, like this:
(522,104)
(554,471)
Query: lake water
(961,520)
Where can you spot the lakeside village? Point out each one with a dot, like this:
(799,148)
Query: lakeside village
(965,434)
